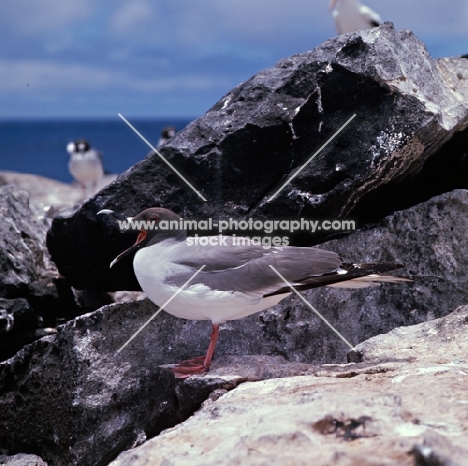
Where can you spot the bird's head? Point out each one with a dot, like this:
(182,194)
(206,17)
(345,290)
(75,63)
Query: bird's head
(148,223)
(168,132)
(81,146)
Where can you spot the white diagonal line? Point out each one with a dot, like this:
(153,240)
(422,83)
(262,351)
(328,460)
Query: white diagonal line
(160,309)
(312,307)
(308,161)
(157,152)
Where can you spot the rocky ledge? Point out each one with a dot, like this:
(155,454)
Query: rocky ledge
(403,404)
(74,400)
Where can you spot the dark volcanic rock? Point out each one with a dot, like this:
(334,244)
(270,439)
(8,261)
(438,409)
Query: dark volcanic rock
(32,296)
(23,256)
(430,239)
(74,400)
(247,145)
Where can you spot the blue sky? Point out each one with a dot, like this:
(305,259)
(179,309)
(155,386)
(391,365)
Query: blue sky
(156,58)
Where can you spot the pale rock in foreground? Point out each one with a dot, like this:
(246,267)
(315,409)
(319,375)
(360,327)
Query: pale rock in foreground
(21,459)
(408,412)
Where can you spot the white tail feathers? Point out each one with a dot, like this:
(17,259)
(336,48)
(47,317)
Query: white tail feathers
(369,280)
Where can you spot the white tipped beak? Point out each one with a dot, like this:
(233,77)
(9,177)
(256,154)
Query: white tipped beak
(115,214)
(105,211)
(332,4)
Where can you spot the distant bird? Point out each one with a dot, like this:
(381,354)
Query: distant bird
(352,15)
(167,133)
(85,165)
(220,280)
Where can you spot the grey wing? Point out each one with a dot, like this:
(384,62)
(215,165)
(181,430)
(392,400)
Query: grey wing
(246,269)
(227,255)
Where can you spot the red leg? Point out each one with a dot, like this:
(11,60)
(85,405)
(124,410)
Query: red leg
(211,347)
(199,364)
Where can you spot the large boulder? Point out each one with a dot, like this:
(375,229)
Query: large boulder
(72,399)
(258,135)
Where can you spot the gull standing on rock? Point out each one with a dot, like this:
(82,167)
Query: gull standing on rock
(85,165)
(219,280)
(352,15)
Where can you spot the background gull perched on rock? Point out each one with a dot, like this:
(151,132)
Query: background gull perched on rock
(352,15)
(85,165)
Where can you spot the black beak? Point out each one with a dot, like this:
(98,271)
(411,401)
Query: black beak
(139,242)
(128,251)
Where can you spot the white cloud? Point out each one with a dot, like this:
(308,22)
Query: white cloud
(29,18)
(187,82)
(200,25)
(56,77)
(46,75)
(132,16)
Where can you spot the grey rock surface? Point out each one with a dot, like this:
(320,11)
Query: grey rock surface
(247,145)
(32,296)
(407,413)
(430,239)
(23,256)
(21,459)
(76,400)
(45,194)
(440,339)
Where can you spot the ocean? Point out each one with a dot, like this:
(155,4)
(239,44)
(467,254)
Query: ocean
(39,146)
